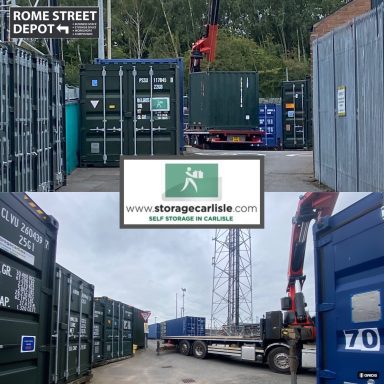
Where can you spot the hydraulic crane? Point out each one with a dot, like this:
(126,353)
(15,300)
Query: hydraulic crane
(206,46)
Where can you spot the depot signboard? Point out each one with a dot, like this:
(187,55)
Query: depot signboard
(54,22)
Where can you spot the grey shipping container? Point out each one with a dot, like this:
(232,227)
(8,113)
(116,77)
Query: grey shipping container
(73,327)
(224,100)
(129,107)
(112,330)
(32,122)
(27,261)
(349,273)
(297,114)
(138,328)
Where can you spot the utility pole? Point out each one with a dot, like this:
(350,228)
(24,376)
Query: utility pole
(101,51)
(176,305)
(109,30)
(183,308)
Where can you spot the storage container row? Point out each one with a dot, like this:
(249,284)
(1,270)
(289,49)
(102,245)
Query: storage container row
(32,121)
(52,330)
(130,107)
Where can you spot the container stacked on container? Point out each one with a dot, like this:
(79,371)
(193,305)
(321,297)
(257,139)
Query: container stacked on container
(73,327)
(27,261)
(32,121)
(130,107)
(112,330)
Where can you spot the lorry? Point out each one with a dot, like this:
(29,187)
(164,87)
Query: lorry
(269,344)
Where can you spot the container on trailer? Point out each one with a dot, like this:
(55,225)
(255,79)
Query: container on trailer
(154,331)
(224,100)
(27,262)
(270,122)
(130,107)
(72,123)
(185,326)
(297,114)
(349,259)
(138,328)
(71,357)
(112,330)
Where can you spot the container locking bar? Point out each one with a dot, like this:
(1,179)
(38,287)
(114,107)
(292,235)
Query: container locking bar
(134,74)
(103,74)
(151,82)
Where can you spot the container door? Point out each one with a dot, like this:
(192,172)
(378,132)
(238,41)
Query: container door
(58,124)
(103,106)
(23,139)
(155,109)
(350,300)
(295,114)
(5,127)
(42,139)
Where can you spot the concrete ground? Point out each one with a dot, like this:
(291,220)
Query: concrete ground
(173,368)
(285,171)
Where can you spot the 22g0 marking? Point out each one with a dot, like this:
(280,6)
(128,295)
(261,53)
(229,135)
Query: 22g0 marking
(365,339)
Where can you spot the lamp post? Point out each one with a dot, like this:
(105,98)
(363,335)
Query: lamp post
(183,308)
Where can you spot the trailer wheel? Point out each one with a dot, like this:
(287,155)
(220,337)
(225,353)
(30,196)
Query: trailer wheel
(185,347)
(278,360)
(199,349)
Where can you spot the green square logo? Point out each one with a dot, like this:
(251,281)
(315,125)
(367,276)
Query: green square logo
(191,180)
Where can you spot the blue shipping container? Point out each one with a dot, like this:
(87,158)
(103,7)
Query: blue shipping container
(349,269)
(154,331)
(185,326)
(271,122)
(72,123)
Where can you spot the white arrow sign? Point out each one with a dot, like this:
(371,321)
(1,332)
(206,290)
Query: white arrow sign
(62,28)
(95,103)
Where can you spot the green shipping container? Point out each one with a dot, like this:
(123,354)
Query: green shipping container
(72,331)
(138,328)
(72,123)
(27,263)
(224,100)
(129,108)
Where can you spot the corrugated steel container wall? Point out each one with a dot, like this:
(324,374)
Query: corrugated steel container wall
(113,324)
(138,328)
(224,100)
(5,128)
(376,3)
(154,331)
(185,326)
(316,117)
(349,273)
(73,327)
(297,114)
(27,262)
(72,123)
(32,126)
(129,108)
(349,150)
(270,121)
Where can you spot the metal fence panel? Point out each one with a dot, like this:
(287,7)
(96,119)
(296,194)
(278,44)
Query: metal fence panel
(326,111)
(370,76)
(346,146)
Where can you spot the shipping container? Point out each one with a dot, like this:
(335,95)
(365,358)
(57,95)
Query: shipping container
(32,129)
(27,261)
(71,357)
(270,122)
(138,328)
(223,106)
(112,330)
(130,107)
(154,331)
(376,3)
(349,272)
(297,114)
(183,326)
(72,123)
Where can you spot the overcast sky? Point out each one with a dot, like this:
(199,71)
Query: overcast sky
(146,268)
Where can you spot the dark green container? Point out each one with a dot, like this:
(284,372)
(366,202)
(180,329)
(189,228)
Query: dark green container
(27,264)
(129,108)
(224,100)
(138,328)
(112,330)
(297,114)
(71,357)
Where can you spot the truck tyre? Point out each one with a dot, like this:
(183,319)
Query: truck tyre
(199,349)
(278,360)
(185,347)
